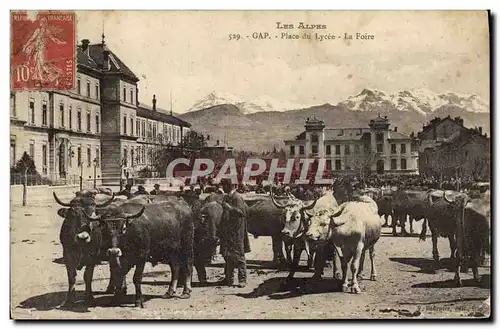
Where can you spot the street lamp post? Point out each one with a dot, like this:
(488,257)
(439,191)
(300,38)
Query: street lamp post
(95,171)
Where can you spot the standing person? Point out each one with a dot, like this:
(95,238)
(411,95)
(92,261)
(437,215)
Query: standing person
(127,191)
(156,190)
(234,238)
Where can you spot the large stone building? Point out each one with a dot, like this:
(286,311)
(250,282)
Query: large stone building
(101,123)
(449,149)
(375,148)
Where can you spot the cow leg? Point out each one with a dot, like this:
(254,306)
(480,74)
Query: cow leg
(344,261)
(361,265)
(186,293)
(458,260)
(288,250)
(453,245)
(337,265)
(139,269)
(319,262)
(403,223)
(87,277)
(71,272)
(394,223)
(310,259)
(171,292)
(355,267)
(411,224)
(297,251)
(111,286)
(278,256)
(435,252)
(386,218)
(373,275)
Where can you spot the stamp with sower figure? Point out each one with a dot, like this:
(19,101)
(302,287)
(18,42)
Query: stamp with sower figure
(42,50)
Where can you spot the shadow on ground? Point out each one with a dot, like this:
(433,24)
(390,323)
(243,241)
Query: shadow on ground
(277,288)
(484,284)
(425,265)
(54,300)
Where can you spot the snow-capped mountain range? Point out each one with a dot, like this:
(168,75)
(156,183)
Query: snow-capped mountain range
(421,101)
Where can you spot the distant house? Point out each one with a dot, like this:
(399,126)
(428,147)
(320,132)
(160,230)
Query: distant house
(374,148)
(449,149)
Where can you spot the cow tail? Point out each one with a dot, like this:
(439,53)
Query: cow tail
(423,233)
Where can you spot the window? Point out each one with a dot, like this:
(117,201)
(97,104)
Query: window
(154,131)
(356,149)
(97,157)
(79,87)
(79,120)
(328,164)
(44,113)
(380,148)
(292,149)
(132,96)
(44,159)
(79,156)
(393,148)
(125,125)
(132,156)
(366,148)
(32,150)
(337,149)
(347,150)
(403,164)
(301,149)
(96,91)
(143,128)
(150,128)
(394,164)
(314,138)
(131,126)
(89,121)
(88,89)
(70,117)
(328,149)
(89,157)
(137,127)
(32,112)
(124,94)
(125,155)
(143,154)
(314,149)
(13,158)
(403,148)
(379,137)
(338,165)
(13,110)
(70,157)
(97,123)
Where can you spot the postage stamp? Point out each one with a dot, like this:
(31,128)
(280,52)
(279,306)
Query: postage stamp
(43,50)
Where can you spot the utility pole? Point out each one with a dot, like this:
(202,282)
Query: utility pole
(81,175)
(95,171)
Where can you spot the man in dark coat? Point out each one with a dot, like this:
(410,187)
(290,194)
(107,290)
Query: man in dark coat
(127,191)
(156,190)
(234,238)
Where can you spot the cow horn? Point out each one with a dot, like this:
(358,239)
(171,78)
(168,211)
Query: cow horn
(306,245)
(446,198)
(136,215)
(59,201)
(107,203)
(429,198)
(311,205)
(93,217)
(276,204)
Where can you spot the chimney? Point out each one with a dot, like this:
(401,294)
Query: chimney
(137,96)
(480,130)
(396,129)
(385,117)
(105,58)
(217,143)
(154,102)
(85,44)
(208,137)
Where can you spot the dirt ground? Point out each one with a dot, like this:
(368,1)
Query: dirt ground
(407,287)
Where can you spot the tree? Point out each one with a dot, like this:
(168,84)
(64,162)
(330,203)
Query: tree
(24,166)
(361,163)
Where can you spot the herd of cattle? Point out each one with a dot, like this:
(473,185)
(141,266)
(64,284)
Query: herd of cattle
(182,231)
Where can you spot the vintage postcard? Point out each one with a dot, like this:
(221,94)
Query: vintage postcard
(250,165)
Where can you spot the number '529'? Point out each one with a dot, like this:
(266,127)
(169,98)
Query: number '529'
(234,37)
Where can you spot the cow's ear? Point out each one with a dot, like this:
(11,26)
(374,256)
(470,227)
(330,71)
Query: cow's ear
(62,212)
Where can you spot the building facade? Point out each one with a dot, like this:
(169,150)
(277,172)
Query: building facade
(99,127)
(375,148)
(449,149)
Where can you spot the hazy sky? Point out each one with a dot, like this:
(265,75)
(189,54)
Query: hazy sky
(190,54)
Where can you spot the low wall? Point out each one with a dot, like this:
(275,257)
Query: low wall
(41,194)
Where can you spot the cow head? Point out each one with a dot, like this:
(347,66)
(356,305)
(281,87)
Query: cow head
(319,225)
(296,216)
(79,217)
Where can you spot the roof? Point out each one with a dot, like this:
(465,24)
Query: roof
(345,134)
(146,111)
(394,135)
(116,64)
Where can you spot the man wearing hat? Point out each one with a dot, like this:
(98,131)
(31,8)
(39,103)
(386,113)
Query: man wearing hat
(234,242)
(156,190)
(141,190)
(127,191)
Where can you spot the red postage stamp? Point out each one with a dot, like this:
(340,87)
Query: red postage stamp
(43,50)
